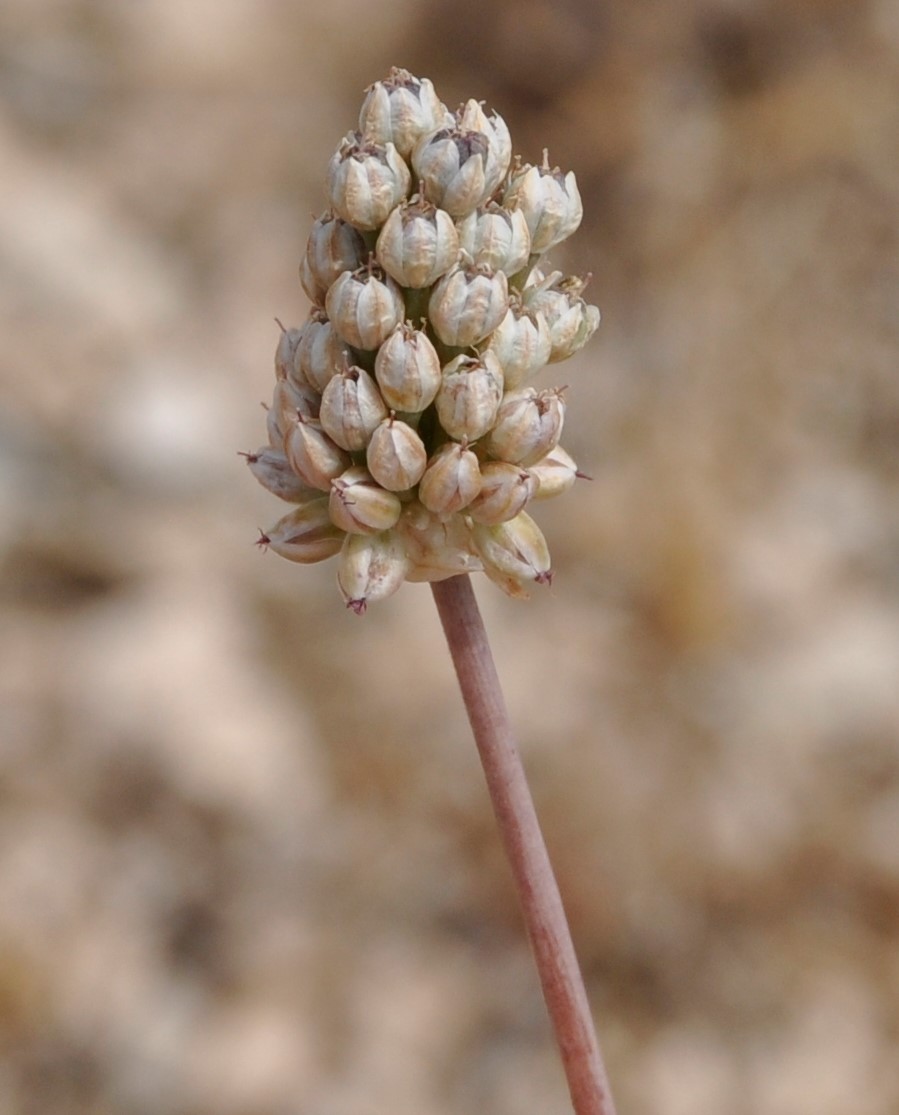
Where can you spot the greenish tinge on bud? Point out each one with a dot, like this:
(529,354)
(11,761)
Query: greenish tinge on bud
(365,306)
(451,168)
(522,343)
(314,456)
(371,568)
(550,201)
(528,425)
(472,118)
(451,480)
(306,534)
(359,505)
(366,180)
(470,394)
(351,408)
(554,474)
(438,546)
(407,369)
(497,237)
(333,247)
(571,320)
(417,244)
(400,110)
(284,353)
(289,400)
(396,455)
(467,304)
(321,353)
(505,490)
(514,554)
(272,469)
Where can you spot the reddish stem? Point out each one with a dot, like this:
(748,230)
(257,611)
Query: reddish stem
(544,915)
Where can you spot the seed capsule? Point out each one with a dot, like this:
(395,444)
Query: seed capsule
(438,546)
(305,535)
(451,165)
(572,322)
(371,568)
(321,353)
(522,343)
(451,480)
(366,180)
(284,353)
(351,408)
(514,554)
(407,369)
(470,394)
(528,425)
(499,143)
(549,200)
(313,456)
(333,247)
(417,244)
(497,237)
(396,455)
(365,306)
(505,489)
(555,473)
(359,505)
(401,110)
(468,304)
(288,400)
(272,469)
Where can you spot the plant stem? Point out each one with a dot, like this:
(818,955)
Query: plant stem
(557,966)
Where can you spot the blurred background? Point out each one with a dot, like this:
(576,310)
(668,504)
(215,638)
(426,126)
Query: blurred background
(247,864)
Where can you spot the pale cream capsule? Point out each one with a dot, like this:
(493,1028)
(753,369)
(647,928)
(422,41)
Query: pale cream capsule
(272,469)
(365,306)
(505,490)
(333,247)
(359,505)
(305,535)
(400,110)
(550,201)
(555,473)
(499,143)
(396,455)
(528,425)
(451,480)
(522,343)
(470,395)
(417,244)
(407,369)
(467,304)
(366,180)
(438,546)
(288,400)
(351,408)
(321,353)
(497,237)
(514,554)
(572,322)
(451,167)
(313,456)
(284,353)
(371,568)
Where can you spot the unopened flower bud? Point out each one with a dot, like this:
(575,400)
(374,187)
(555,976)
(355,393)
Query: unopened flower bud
(528,425)
(451,480)
(313,456)
(359,505)
(470,394)
(305,535)
(438,546)
(505,489)
(549,200)
(288,400)
(365,306)
(514,554)
(371,568)
(396,455)
(417,244)
(451,166)
(284,353)
(272,469)
(571,320)
(366,180)
(555,473)
(401,110)
(334,246)
(407,369)
(522,343)
(499,143)
(467,304)
(351,408)
(497,237)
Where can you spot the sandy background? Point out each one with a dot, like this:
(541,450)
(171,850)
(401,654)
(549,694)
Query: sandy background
(247,866)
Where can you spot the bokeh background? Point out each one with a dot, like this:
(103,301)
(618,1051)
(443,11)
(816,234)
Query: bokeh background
(247,864)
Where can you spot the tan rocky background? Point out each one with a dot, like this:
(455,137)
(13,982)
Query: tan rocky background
(247,866)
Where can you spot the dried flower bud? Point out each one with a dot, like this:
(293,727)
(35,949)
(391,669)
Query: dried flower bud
(359,505)
(372,567)
(451,166)
(499,143)
(549,200)
(401,110)
(284,353)
(407,369)
(505,489)
(417,244)
(468,304)
(528,425)
(351,408)
(451,480)
(334,246)
(497,237)
(438,546)
(470,394)
(366,180)
(572,321)
(522,343)
(396,455)
(313,456)
(272,469)
(305,535)
(514,554)
(365,306)
(321,353)
(288,400)
(555,473)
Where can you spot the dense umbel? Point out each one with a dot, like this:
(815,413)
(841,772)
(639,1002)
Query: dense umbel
(404,425)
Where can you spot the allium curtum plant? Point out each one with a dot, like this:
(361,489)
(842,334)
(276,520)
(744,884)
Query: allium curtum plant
(406,429)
